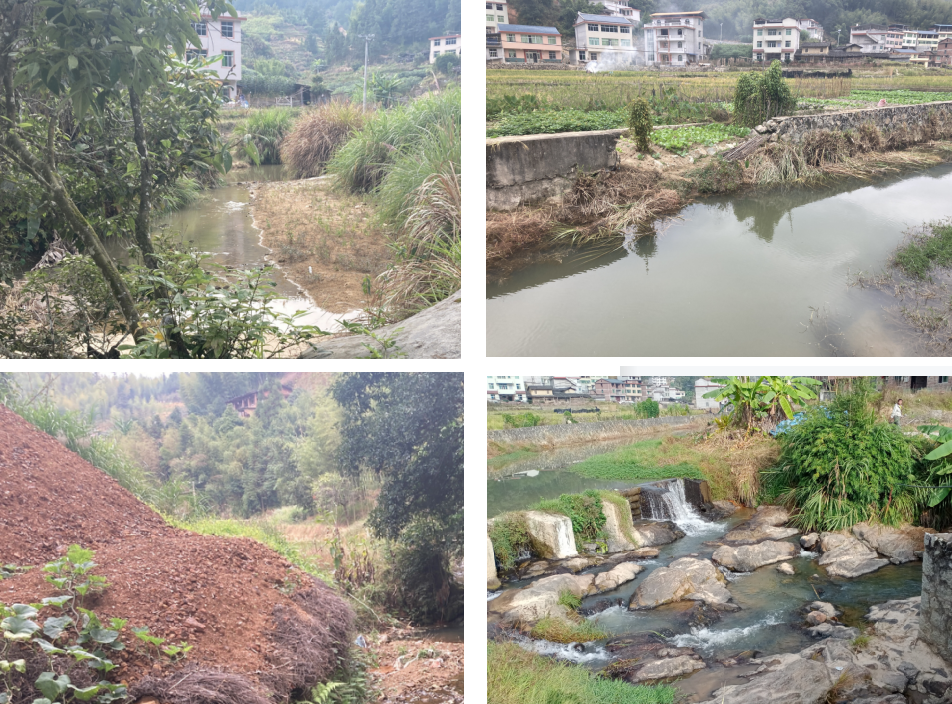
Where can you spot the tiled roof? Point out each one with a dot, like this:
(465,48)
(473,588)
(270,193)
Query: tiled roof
(604,18)
(532,29)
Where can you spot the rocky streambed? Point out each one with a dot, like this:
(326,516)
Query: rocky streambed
(741,609)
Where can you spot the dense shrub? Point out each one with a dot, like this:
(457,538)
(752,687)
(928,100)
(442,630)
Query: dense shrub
(648,408)
(266,130)
(841,465)
(522,420)
(317,135)
(762,95)
(732,51)
(640,123)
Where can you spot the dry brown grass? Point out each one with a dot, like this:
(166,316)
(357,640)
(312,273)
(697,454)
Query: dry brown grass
(317,134)
(516,231)
(326,240)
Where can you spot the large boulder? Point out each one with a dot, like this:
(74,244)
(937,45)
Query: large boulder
(786,679)
(685,578)
(616,576)
(768,516)
(845,556)
(667,668)
(903,544)
(618,528)
(653,533)
(552,534)
(747,558)
(765,524)
(540,599)
(492,580)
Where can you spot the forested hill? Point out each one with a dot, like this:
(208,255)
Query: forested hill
(737,16)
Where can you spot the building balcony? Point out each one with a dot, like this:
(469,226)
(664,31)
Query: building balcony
(671,23)
(493,40)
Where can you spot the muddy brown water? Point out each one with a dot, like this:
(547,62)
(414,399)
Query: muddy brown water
(751,275)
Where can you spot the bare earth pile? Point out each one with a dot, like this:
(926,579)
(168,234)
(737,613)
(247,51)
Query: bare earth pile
(260,627)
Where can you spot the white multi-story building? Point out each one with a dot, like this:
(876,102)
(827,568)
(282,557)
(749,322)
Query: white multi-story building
(675,38)
(222,38)
(811,27)
(505,388)
(877,38)
(604,37)
(619,8)
(497,13)
(701,387)
(776,40)
(448,44)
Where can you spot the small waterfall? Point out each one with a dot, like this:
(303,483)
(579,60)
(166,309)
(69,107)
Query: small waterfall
(672,504)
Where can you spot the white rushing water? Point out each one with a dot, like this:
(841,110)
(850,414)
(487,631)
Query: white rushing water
(707,639)
(580,654)
(675,507)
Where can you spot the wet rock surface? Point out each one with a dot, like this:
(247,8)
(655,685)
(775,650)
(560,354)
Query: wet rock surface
(747,558)
(846,556)
(903,544)
(654,533)
(685,578)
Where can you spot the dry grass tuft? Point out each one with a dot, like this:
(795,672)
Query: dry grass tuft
(517,230)
(317,135)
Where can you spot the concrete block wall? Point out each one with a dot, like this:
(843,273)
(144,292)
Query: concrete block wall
(887,119)
(582,432)
(935,621)
(534,168)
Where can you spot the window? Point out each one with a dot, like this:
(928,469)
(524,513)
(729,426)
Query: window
(511,54)
(436,53)
(680,32)
(760,32)
(531,39)
(593,28)
(489,18)
(228,29)
(201,29)
(510,37)
(593,41)
(609,28)
(551,40)
(436,42)
(501,18)
(609,42)
(664,32)
(518,386)
(664,57)
(581,56)
(450,41)
(228,58)
(626,30)
(626,42)
(489,6)
(491,386)
(651,58)
(551,55)
(787,43)
(499,6)
(788,32)
(493,54)
(191,54)
(943,380)
(680,45)
(593,56)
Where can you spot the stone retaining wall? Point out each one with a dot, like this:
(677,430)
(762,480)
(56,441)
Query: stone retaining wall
(583,432)
(534,168)
(935,625)
(914,118)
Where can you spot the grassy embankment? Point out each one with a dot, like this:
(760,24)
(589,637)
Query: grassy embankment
(517,676)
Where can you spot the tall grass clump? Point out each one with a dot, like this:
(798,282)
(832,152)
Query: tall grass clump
(926,250)
(584,510)
(263,133)
(841,465)
(317,135)
(183,192)
(361,164)
(409,158)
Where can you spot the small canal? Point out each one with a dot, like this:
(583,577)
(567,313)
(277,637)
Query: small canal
(759,275)
(770,617)
(220,223)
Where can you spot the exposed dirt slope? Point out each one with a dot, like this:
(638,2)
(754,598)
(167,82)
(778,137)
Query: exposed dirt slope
(243,607)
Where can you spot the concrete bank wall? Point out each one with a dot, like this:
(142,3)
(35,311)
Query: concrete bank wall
(534,168)
(584,432)
(935,623)
(914,118)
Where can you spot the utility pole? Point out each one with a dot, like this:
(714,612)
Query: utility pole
(722,31)
(367,39)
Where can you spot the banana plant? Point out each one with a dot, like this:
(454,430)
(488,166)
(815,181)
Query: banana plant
(943,466)
(787,391)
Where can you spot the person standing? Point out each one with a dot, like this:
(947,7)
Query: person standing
(896,412)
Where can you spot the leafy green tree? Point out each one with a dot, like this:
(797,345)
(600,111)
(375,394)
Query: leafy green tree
(406,429)
(535,12)
(568,13)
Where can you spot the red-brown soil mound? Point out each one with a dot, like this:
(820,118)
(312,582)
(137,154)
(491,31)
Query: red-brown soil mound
(243,607)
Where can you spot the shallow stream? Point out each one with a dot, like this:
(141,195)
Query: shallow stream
(770,602)
(751,275)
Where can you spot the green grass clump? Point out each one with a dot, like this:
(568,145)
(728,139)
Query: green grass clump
(637,462)
(569,600)
(551,122)
(266,129)
(932,248)
(517,676)
(584,510)
(560,630)
(509,534)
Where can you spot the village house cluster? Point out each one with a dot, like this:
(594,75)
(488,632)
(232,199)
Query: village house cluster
(620,36)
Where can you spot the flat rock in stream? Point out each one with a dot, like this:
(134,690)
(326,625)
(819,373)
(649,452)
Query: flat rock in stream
(903,544)
(685,578)
(615,577)
(653,533)
(433,333)
(747,558)
(846,556)
(765,524)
